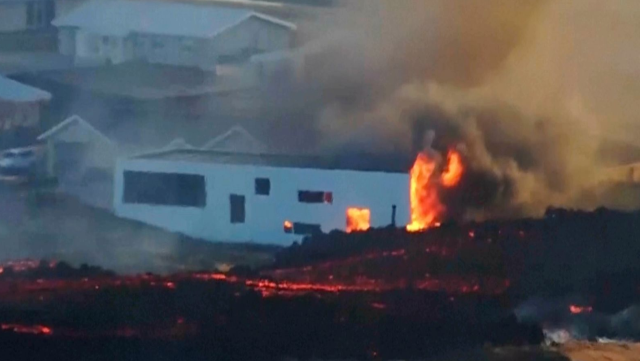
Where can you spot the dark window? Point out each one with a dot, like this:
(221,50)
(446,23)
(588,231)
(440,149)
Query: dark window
(306,228)
(263,186)
(50,12)
(315,197)
(171,189)
(31,14)
(236,202)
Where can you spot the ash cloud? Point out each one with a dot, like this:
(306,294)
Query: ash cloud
(529,89)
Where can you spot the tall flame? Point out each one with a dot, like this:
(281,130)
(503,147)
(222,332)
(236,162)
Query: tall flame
(426,207)
(453,172)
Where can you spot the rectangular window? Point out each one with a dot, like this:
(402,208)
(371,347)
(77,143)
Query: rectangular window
(236,203)
(315,197)
(306,228)
(263,186)
(169,189)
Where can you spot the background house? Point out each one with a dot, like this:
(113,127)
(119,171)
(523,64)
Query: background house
(168,33)
(82,155)
(242,197)
(20,105)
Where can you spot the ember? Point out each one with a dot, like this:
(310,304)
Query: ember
(358,219)
(580,309)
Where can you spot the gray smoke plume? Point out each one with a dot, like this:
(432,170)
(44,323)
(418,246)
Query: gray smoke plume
(531,90)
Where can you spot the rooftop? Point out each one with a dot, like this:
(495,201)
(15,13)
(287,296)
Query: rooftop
(362,162)
(13,91)
(121,17)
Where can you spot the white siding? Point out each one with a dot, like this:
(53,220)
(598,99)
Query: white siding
(99,152)
(254,34)
(265,215)
(67,41)
(13,16)
(173,50)
(63,7)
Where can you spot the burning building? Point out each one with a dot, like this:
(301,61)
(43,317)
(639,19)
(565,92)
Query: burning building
(264,198)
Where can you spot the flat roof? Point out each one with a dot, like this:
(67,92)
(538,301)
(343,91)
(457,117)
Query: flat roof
(359,162)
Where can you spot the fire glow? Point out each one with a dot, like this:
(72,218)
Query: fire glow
(574,309)
(426,207)
(358,219)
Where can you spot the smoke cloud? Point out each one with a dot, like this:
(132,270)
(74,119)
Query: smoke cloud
(529,90)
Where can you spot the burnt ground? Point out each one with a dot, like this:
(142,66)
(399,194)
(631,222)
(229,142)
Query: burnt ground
(61,228)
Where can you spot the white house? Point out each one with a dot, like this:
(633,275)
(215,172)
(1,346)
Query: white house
(170,33)
(20,104)
(245,197)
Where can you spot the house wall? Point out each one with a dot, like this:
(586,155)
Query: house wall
(63,7)
(19,114)
(173,50)
(13,16)
(252,35)
(67,41)
(265,215)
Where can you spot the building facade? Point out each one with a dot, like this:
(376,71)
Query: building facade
(276,199)
(168,33)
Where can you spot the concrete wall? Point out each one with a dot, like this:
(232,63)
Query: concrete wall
(265,215)
(13,16)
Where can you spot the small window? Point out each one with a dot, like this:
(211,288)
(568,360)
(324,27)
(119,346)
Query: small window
(105,40)
(263,186)
(315,197)
(236,202)
(306,229)
(157,43)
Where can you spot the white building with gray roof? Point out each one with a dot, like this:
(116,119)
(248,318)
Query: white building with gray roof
(170,33)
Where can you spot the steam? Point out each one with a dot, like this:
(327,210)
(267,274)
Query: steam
(531,89)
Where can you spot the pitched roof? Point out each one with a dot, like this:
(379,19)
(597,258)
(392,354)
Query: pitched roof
(11,90)
(121,17)
(237,139)
(72,120)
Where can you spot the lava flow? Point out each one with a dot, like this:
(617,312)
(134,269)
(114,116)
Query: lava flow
(426,207)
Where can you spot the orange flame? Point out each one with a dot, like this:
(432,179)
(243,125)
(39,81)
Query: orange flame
(425,204)
(358,219)
(453,172)
(426,207)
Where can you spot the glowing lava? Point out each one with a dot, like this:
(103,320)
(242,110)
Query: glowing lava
(426,207)
(453,172)
(358,219)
